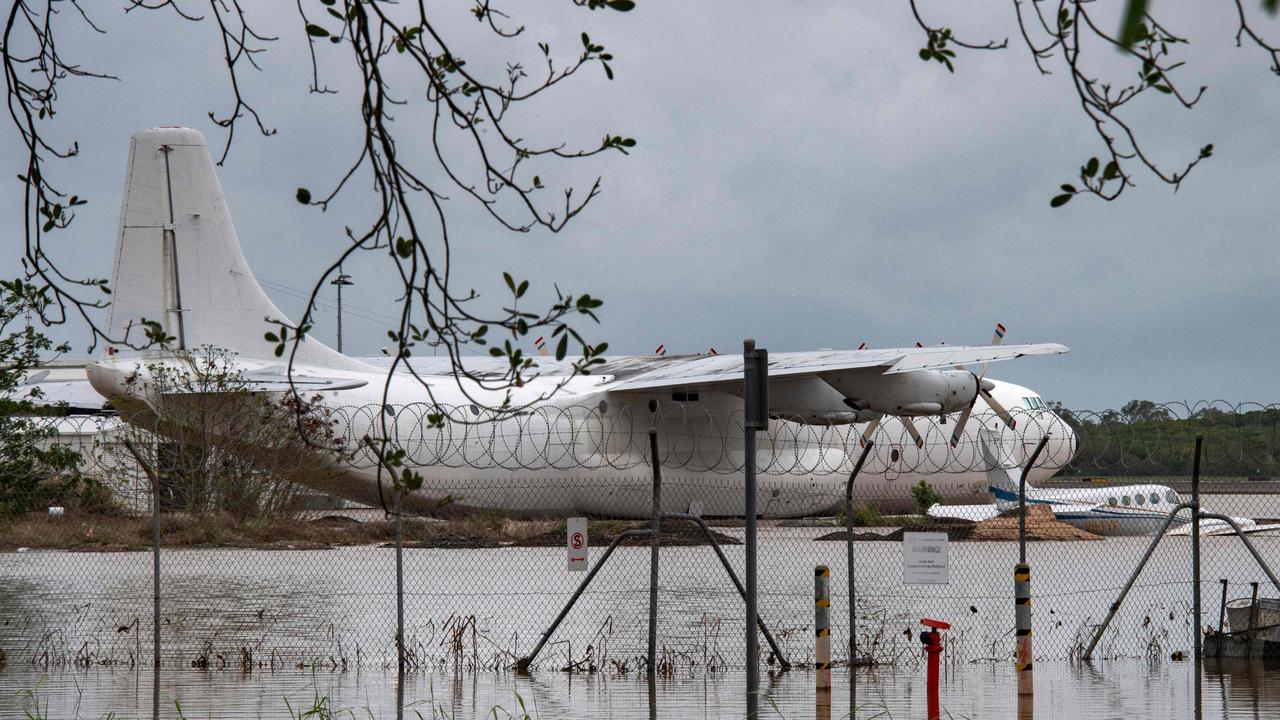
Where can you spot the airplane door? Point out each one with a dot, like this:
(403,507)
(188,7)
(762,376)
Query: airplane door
(894,466)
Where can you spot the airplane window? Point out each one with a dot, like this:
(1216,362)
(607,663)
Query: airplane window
(1172,497)
(893,455)
(1140,499)
(1112,501)
(1124,500)
(1155,498)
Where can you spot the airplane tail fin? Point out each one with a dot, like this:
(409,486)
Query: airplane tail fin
(179,263)
(1003,473)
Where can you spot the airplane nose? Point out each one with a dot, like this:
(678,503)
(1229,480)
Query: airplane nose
(1062,445)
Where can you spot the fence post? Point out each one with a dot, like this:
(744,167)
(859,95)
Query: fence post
(822,626)
(848,548)
(399,586)
(155,584)
(755,396)
(1022,583)
(822,641)
(654,544)
(1195,571)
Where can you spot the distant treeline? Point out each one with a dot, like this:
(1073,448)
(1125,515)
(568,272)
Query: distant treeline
(1152,439)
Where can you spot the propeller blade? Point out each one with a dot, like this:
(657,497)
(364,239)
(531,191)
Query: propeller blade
(995,340)
(869,432)
(960,423)
(915,434)
(999,409)
(542,346)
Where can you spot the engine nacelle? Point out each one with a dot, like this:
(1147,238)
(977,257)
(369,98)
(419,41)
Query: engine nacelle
(916,392)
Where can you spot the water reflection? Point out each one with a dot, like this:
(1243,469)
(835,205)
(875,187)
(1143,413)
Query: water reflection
(1128,689)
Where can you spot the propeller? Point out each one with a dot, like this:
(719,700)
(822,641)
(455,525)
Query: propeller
(985,392)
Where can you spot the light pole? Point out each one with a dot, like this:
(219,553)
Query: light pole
(342,279)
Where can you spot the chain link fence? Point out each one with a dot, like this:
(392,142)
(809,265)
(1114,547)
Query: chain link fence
(261,571)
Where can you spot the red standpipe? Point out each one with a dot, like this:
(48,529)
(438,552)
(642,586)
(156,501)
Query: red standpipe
(932,640)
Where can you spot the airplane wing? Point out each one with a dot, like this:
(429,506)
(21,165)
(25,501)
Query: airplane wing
(654,372)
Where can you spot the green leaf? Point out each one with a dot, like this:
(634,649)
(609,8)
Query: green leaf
(1060,200)
(1206,151)
(316,31)
(1111,171)
(562,347)
(48,226)
(925,54)
(524,285)
(510,282)
(621,5)
(1068,188)
(1132,28)
(1164,89)
(1091,167)
(608,71)
(303,195)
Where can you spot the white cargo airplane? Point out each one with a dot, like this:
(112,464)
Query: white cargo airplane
(178,262)
(1111,510)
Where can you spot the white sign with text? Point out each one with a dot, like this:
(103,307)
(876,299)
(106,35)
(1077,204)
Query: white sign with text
(926,559)
(576,543)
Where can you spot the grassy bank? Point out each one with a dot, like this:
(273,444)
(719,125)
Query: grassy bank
(95,532)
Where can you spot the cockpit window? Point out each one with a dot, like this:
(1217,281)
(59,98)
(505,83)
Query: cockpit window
(1034,403)
(1172,497)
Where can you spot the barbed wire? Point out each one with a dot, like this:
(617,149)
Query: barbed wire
(1140,439)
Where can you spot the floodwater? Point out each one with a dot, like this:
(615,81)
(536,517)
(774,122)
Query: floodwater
(244,630)
(1125,689)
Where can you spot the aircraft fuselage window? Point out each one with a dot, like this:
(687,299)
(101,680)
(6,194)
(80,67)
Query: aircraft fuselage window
(1172,497)
(894,455)
(1112,501)
(1140,499)
(1155,498)
(684,397)
(1124,500)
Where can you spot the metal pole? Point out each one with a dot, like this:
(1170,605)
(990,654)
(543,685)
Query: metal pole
(155,586)
(399,586)
(848,548)
(822,641)
(1022,500)
(342,279)
(654,545)
(755,396)
(523,663)
(1197,640)
(1133,577)
(1222,609)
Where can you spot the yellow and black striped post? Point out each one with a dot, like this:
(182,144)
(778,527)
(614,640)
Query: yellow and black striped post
(822,640)
(822,625)
(1022,619)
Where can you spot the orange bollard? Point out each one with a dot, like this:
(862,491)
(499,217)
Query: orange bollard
(932,640)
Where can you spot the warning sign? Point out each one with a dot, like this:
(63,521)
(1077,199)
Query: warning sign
(576,543)
(925,559)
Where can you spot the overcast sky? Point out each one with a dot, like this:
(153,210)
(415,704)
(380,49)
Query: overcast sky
(800,177)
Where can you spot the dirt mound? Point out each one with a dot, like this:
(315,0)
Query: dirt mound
(1041,525)
(674,533)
